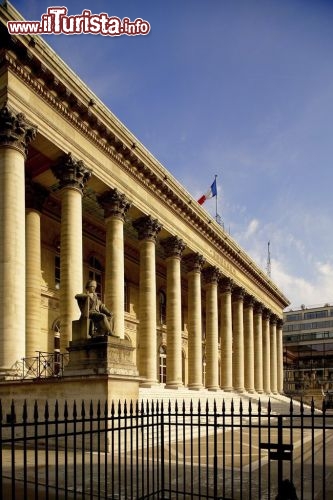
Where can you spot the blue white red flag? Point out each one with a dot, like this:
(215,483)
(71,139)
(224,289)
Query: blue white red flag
(210,194)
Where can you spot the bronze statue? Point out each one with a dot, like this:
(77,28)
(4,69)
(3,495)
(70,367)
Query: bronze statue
(93,308)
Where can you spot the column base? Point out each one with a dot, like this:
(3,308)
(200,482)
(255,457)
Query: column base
(213,389)
(174,386)
(148,384)
(227,389)
(195,387)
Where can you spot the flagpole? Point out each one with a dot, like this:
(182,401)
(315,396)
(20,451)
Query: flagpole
(216,199)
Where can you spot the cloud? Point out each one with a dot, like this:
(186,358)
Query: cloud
(251,228)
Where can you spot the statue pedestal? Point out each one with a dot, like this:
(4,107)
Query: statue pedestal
(101,356)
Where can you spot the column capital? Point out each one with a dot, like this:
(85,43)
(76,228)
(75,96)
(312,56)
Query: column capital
(147,228)
(35,194)
(71,172)
(249,301)
(194,262)
(15,131)
(115,204)
(226,285)
(280,323)
(273,319)
(238,293)
(266,314)
(173,247)
(258,308)
(211,275)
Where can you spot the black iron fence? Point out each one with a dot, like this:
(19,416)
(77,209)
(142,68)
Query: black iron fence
(152,450)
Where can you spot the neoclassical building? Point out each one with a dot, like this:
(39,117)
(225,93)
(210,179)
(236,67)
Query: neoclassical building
(81,198)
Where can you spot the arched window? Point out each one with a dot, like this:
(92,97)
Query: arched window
(96,273)
(162,364)
(162,298)
(57,265)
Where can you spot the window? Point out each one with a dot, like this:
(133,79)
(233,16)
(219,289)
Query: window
(96,273)
(316,314)
(162,297)
(57,271)
(162,367)
(294,317)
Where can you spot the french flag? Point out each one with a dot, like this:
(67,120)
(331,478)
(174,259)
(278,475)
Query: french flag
(210,194)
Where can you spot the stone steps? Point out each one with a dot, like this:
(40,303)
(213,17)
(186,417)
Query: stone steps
(184,397)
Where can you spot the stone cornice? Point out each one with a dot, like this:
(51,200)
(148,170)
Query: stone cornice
(35,63)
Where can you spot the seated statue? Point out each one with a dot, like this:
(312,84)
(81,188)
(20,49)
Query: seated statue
(92,307)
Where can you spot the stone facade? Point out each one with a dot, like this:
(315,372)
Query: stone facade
(177,283)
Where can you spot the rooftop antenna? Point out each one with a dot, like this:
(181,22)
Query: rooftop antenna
(268,267)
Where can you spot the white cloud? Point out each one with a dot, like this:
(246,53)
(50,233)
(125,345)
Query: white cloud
(251,228)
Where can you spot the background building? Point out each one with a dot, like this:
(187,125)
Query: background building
(308,350)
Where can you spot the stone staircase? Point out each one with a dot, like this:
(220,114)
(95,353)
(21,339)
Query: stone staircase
(184,397)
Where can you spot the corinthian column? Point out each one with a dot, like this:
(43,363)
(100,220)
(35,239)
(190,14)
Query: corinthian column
(248,344)
(194,264)
(147,228)
(266,354)
(226,334)
(173,248)
(115,206)
(73,176)
(212,275)
(279,347)
(258,366)
(15,136)
(238,344)
(35,197)
(273,354)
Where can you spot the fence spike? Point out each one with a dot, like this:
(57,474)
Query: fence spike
(74,410)
(83,410)
(25,411)
(36,410)
(46,411)
(56,410)
(66,411)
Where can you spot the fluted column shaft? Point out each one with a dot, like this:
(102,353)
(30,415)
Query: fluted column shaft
(173,248)
(273,354)
(15,135)
(35,196)
(147,347)
(226,335)
(212,346)
(279,347)
(249,345)
(115,207)
(72,175)
(258,344)
(266,354)
(194,264)
(238,340)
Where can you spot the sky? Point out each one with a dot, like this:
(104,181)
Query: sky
(241,89)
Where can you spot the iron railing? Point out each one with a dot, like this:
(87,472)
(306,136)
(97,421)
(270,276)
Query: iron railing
(138,451)
(43,365)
